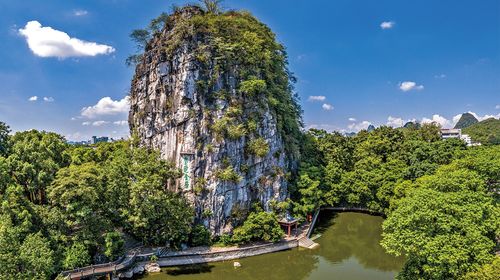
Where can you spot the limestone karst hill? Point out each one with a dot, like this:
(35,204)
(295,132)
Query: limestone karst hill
(466,120)
(213,93)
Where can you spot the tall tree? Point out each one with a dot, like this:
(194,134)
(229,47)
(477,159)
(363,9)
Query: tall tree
(445,226)
(78,192)
(34,160)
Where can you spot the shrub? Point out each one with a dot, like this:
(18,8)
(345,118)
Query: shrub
(235,132)
(259,226)
(207,213)
(234,111)
(258,147)
(219,126)
(200,236)
(228,174)
(226,239)
(209,148)
(76,256)
(244,168)
(114,245)
(253,86)
(200,185)
(251,126)
(238,215)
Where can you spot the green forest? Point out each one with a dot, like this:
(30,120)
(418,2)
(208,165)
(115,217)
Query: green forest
(68,206)
(439,196)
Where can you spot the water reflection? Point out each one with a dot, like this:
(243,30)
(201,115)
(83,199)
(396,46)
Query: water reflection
(349,249)
(347,235)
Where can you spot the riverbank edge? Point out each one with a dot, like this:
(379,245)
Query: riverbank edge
(209,257)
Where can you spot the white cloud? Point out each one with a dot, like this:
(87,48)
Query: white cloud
(440,76)
(395,122)
(121,123)
(409,85)
(33,98)
(313,98)
(99,123)
(497,107)
(455,119)
(301,57)
(49,42)
(327,107)
(387,24)
(106,106)
(437,119)
(96,123)
(359,126)
(80,13)
(352,119)
(48,99)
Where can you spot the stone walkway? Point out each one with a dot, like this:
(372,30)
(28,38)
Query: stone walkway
(202,254)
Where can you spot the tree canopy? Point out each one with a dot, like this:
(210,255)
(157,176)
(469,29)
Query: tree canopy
(440,197)
(63,207)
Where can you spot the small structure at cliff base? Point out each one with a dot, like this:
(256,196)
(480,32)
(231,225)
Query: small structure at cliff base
(213,93)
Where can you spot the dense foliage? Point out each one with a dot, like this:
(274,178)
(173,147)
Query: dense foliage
(64,207)
(241,64)
(259,225)
(486,272)
(440,198)
(486,132)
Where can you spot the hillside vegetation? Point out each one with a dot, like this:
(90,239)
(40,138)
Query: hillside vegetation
(466,120)
(486,132)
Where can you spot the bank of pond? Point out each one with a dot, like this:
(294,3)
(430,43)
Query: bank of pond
(349,249)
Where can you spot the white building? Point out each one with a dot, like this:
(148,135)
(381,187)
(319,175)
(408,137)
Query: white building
(457,133)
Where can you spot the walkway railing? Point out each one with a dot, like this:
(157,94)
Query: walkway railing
(313,222)
(94,270)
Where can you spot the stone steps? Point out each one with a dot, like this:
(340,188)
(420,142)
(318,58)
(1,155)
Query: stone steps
(305,242)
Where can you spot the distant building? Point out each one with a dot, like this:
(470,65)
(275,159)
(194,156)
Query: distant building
(457,133)
(83,143)
(451,133)
(96,139)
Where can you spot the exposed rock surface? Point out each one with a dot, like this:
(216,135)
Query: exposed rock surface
(152,268)
(173,112)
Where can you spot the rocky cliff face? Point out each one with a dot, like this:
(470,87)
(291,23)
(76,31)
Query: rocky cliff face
(201,97)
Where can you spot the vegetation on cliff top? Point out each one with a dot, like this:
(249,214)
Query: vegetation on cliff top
(232,43)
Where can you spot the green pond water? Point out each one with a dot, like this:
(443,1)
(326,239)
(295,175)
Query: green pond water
(349,249)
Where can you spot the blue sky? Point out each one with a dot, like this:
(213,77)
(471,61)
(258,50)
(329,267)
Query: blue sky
(431,61)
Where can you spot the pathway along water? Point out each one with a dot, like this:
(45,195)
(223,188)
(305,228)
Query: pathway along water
(349,249)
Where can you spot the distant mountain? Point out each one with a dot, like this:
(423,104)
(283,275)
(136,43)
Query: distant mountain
(414,125)
(370,128)
(485,132)
(466,120)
